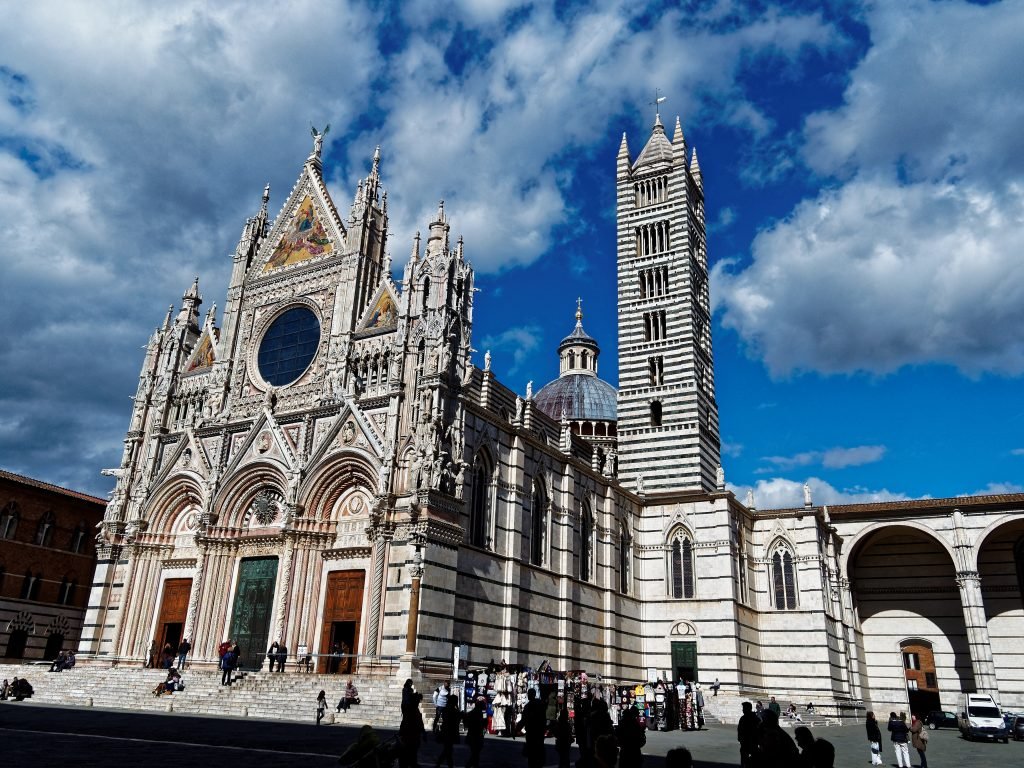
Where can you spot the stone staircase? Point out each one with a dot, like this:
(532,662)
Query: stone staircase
(265,695)
(726,708)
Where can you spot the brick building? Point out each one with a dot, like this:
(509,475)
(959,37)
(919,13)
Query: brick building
(47,556)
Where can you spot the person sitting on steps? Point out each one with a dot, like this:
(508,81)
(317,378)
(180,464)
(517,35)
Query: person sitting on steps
(349,697)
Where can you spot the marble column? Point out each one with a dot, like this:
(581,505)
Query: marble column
(978,640)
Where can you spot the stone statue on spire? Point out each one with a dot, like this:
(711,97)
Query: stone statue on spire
(318,139)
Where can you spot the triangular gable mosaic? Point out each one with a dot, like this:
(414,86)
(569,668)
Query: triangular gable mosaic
(203,355)
(304,238)
(384,314)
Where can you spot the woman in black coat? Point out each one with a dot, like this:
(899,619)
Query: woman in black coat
(875,738)
(410,732)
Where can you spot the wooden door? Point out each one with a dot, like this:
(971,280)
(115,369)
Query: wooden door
(173,609)
(684,661)
(343,607)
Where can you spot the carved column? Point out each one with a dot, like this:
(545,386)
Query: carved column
(193,598)
(286,586)
(381,539)
(416,572)
(973,604)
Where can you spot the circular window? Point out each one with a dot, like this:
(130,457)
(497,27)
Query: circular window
(288,346)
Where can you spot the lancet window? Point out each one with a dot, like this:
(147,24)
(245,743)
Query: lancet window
(783,573)
(682,581)
(538,523)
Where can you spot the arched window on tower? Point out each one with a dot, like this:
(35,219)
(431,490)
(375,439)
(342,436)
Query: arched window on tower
(9,521)
(586,543)
(681,574)
(783,578)
(426,291)
(480,510)
(656,413)
(584,358)
(538,523)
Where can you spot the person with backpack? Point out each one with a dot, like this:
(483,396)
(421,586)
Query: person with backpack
(228,664)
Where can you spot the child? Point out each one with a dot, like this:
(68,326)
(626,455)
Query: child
(321,706)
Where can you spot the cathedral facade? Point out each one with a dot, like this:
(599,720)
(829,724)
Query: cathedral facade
(327,468)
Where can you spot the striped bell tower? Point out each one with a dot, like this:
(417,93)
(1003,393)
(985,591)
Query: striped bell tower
(667,414)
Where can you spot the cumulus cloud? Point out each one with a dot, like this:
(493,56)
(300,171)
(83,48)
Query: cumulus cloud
(136,139)
(911,254)
(781,493)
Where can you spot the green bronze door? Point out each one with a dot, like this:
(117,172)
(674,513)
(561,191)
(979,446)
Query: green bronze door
(684,661)
(254,601)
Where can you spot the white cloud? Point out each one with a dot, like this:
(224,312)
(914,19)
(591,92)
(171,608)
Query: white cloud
(1017,452)
(780,493)
(913,257)
(833,458)
(997,489)
(519,341)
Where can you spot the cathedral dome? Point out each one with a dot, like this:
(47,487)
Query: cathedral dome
(582,397)
(577,392)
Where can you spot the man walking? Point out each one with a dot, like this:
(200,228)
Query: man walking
(183,648)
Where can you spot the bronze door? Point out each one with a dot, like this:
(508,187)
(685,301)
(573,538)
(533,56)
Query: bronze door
(343,607)
(254,602)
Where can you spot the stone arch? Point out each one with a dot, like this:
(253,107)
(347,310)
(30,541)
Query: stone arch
(178,492)
(999,561)
(903,585)
(863,535)
(990,530)
(243,486)
(333,477)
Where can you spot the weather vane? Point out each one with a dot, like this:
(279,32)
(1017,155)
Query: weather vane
(657,101)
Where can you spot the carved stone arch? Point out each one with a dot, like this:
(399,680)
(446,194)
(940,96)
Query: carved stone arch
(177,493)
(779,541)
(246,482)
(333,477)
(59,625)
(683,629)
(22,620)
(681,529)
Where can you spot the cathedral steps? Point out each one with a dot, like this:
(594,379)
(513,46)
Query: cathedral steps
(264,695)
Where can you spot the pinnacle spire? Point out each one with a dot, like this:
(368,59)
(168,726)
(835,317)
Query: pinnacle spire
(677,134)
(695,168)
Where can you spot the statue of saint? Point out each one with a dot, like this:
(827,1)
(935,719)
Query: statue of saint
(318,139)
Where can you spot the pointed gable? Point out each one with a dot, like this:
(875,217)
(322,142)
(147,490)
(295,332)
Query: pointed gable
(204,354)
(382,312)
(308,227)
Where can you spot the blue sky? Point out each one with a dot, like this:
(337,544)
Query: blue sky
(863,164)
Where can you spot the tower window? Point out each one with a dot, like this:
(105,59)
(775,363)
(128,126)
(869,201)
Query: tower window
(586,544)
(656,370)
(656,413)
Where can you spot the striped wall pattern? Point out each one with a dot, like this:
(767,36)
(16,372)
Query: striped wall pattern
(683,451)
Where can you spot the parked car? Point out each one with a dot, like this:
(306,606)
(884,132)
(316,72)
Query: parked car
(979,717)
(1016,726)
(941,720)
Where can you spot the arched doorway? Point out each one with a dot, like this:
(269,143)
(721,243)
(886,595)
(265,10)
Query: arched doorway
(906,602)
(16,644)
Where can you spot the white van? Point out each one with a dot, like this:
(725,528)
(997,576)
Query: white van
(979,718)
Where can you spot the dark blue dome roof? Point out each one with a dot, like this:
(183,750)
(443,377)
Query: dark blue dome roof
(583,396)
